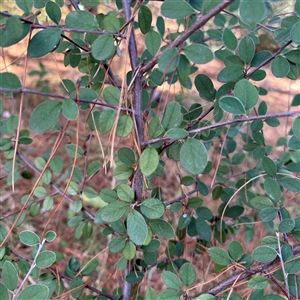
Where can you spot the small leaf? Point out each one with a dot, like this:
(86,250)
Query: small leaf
(268,214)
(219,256)
(25,5)
(272,189)
(261,202)
(176,133)
(187,274)
(193,156)
(232,105)
(173,116)
(280,67)
(152,208)
(29,238)
(290,184)
(153,41)
(10,81)
(176,9)
(44,42)
(231,73)
(10,275)
(144,19)
(264,254)
(171,280)
(286,225)
(31,292)
(247,93)
(269,166)
(229,39)
(71,150)
(103,47)
(3,292)
(149,161)
(111,95)
(150,294)
(45,116)
(203,229)
(206,297)
(205,87)
(106,121)
(45,259)
(125,126)
(296,127)
(252,11)
(81,19)
(53,11)
(69,107)
(126,156)
(235,250)
(137,228)
(117,244)
(129,250)
(295,33)
(125,192)
(246,49)
(258,283)
(113,211)
(168,61)
(169,294)
(162,228)
(198,54)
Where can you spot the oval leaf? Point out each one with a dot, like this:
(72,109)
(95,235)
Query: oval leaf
(137,228)
(149,161)
(232,105)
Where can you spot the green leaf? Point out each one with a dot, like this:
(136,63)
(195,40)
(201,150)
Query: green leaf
(10,81)
(205,87)
(293,56)
(173,116)
(269,166)
(231,73)
(117,244)
(111,24)
(272,297)
(126,156)
(272,189)
(10,275)
(268,214)
(155,129)
(168,61)
(111,95)
(286,225)
(53,11)
(113,211)
(50,236)
(106,121)
(246,49)
(187,274)
(25,5)
(264,254)
(93,168)
(235,250)
(125,192)
(103,47)
(171,280)
(144,19)
(122,172)
(293,265)
(149,161)
(206,297)
(290,184)
(232,105)
(162,228)
(34,292)
(176,133)
(137,228)
(280,66)
(129,250)
(69,107)
(89,267)
(45,116)
(203,229)
(14,28)
(297,7)
(261,202)
(169,294)
(193,156)
(81,19)
(45,259)
(29,238)
(229,39)
(3,292)
(152,208)
(258,283)
(134,277)
(150,294)
(296,127)
(252,11)
(153,41)
(198,54)
(183,69)
(219,256)
(125,126)
(71,149)
(247,93)
(176,9)
(295,33)
(8,38)
(44,42)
